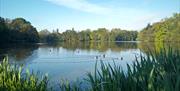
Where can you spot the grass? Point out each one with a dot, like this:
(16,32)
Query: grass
(159,71)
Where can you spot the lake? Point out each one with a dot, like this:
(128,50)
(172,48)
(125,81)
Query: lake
(74,60)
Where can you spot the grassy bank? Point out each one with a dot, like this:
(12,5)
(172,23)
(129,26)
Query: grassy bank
(159,71)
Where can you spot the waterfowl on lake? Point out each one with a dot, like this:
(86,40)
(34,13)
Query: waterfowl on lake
(96,57)
(104,55)
(77,51)
(121,58)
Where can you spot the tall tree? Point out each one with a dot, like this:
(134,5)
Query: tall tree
(166,30)
(17,30)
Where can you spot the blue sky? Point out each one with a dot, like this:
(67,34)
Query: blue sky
(83,14)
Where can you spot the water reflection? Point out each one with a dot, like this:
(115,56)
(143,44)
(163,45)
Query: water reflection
(72,60)
(21,52)
(100,46)
(146,47)
(17,52)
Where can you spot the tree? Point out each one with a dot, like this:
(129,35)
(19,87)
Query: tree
(17,30)
(165,30)
(101,34)
(25,32)
(3,30)
(43,34)
(70,35)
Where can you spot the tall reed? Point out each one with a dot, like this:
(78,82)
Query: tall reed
(159,71)
(12,78)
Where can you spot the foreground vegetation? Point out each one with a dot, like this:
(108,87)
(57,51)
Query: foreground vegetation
(155,72)
(12,78)
(159,71)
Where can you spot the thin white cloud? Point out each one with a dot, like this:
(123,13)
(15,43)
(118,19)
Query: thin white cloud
(113,16)
(82,5)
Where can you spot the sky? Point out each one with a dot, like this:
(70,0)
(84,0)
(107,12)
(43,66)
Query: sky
(92,14)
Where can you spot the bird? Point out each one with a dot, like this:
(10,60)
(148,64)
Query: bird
(121,58)
(104,55)
(96,57)
(77,51)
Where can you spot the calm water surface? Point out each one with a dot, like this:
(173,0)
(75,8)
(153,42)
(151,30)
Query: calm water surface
(74,60)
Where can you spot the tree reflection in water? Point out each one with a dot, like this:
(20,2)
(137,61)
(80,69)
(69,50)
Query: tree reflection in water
(17,52)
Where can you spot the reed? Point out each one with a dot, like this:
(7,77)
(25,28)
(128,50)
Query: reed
(12,78)
(159,71)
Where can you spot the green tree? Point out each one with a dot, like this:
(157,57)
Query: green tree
(23,31)
(17,30)
(167,29)
(3,30)
(43,34)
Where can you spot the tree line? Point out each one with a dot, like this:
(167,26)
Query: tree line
(101,34)
(167,29)
(20,30)
(17,31)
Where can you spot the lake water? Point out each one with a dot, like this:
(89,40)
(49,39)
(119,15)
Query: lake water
(73,61)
